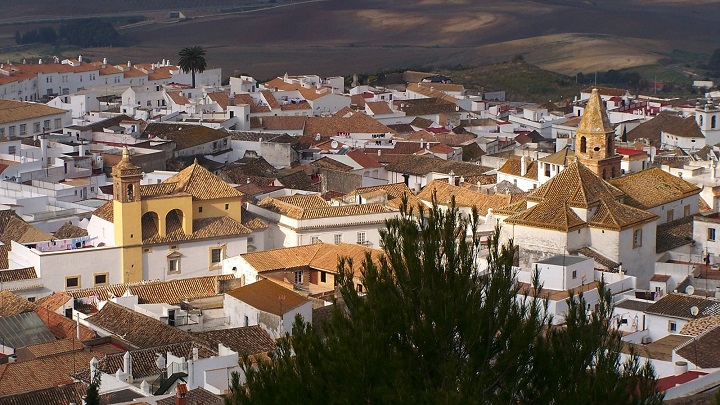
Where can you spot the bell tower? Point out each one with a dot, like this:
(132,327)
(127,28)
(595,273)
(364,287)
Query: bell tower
(595,140)
(127,214)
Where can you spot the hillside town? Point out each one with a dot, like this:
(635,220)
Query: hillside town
(158,226)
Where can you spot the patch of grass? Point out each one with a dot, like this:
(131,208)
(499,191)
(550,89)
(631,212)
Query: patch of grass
(659,72)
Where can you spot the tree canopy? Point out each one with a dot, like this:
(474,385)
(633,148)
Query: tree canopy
(433,329)
(192,59)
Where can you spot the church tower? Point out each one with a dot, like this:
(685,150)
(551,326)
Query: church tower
(595,140)
(127,214)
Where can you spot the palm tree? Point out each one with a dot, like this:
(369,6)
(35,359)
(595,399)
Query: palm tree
(192,59)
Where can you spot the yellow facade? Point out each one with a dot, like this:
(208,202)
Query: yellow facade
(221,207)
(161,207)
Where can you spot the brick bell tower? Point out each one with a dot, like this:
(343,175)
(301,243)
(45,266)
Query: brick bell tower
(595,140)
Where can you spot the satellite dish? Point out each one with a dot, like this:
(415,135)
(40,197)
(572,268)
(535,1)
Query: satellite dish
(694,311)
(334,144)
(690,290)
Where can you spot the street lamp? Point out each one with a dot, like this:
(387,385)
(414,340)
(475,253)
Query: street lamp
(694,311)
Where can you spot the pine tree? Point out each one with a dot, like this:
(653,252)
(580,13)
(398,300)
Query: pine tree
(432,329)
(92,397)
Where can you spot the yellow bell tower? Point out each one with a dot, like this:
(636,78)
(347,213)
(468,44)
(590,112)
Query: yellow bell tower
(127,214)
(595,140)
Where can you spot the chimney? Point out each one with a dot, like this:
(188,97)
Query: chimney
(422,143)
(195,353)
(79,58)
(379,152)
(40,61)
(181,394)
(104,61)
(129,65)
(127,367)
(523,166)
(77,326)
(43,149)
(681,367)
(81,149)
(451,178)
(145,387)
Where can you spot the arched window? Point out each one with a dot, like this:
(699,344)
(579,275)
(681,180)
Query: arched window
(583,145)
(701,120)
(130,189)
(604,175)
(612,173)
(713,122)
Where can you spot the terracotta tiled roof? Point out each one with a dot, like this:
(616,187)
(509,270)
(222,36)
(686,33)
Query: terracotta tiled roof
(653,187)
(422,165)
(154,190)
(221,98)
(194,135)
(594,118)
(11,111)
(350,122)
(332,164)
(139,330)
(304,200)
(42,373)
(441,148)
(577,185)
(428,92)
(105,211)
(379,107)
(270,99)
(177,98)
(197,395)
(616,216)
(707,347)
(283,123)
(396,192)
(548,215)
(427,106)
(697,326)
(562,158)
(54,301)
(319,256)
(674,234)
(296,212)
(201,184)
(204,228)
(53,348)
(68,230)
(27,273)
(156,292)
(363,159)
(246,340)
(263,295)
(254,107)
(513,167)
(13,304)
(71,393)
(665,122)
(597,256)
(463,196)
(678,306)
(62,327)
(303,105)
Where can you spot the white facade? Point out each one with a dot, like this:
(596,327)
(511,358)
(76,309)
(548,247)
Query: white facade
(276,326)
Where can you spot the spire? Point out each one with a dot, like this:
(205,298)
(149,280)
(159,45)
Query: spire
(125,153)
(195,162)
(595,118)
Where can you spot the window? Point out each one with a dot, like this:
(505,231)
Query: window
(670,215)
(250,239)
(199,209)
(72,282)
(227,207)
(711,234)
(11,130)
(23,129)
(713,122)
(174,265)
(36,127)
(314,239)
(637,238)
(574,274)
(361,238)
(58,123)
(583,145)
(11,150)
(247,321)
(360,288)
(686,211)
(100,279)
(298,277)
(672,326)
(2,132)
(46,125)
(337,238)
(215,256)
(323,277)
(173,247)
(31,299)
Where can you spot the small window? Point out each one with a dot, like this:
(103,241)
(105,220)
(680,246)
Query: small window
(672,326)
(711,234)
(298,277)
(31,299)
(360,288)
(100,279)
(247,321)
(227,207)
(147,250)
(670,215)
(72,282)
(216,255)
(637,238)
(574,274)
(250,239)
(323,277)
(337,238)
(23,129)
(173,247)
(361,238)
(314,239)
(36,127)
(686,211)
(199,209)
(174,265)
(12,149)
